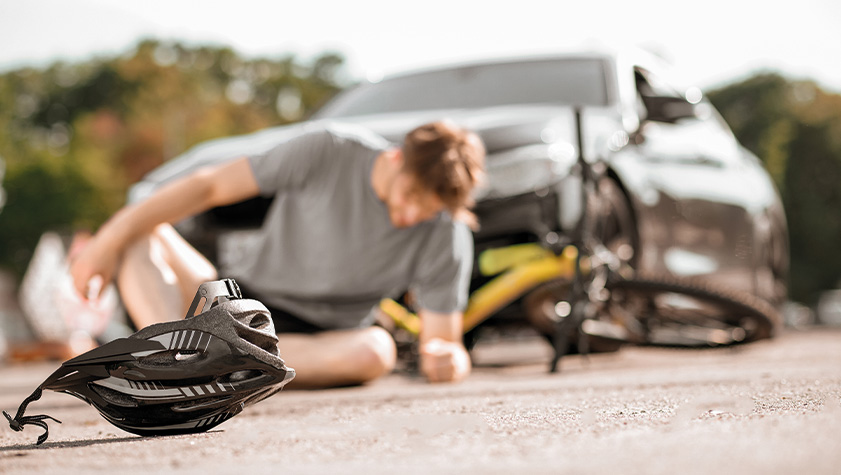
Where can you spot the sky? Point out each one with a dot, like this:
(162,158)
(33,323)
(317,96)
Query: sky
(710,43)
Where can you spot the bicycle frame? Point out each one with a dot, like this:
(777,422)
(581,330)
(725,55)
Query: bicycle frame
(520,268)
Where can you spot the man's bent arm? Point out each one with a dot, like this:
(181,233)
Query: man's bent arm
(443,355)
(204,189)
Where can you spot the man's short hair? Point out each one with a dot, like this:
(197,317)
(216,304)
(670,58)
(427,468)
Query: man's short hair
(449,161)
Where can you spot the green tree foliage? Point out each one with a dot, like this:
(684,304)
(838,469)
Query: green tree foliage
(77,135)
(795,128)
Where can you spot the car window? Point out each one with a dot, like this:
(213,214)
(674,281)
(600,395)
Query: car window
(579,81)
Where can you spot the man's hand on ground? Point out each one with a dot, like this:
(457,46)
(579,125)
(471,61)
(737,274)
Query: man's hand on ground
(444,361)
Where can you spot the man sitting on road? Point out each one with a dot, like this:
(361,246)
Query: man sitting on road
(353,220)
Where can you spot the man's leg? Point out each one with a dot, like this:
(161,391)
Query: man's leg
(159,275)
(158,278)
(338,358)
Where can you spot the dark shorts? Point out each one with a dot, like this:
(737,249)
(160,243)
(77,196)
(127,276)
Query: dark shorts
(284,322)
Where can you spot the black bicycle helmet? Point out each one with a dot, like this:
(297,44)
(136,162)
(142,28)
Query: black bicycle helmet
(178,377)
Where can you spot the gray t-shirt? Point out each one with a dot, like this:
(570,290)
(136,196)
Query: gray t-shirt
(328,252)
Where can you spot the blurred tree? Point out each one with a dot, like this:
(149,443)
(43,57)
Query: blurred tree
(44,195)
(813,207)
(795,128)
(78,134)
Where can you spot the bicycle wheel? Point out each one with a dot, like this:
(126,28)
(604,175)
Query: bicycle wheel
(672,311)
(550,304)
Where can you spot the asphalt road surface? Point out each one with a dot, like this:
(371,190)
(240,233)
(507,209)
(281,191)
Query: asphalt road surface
(768,407)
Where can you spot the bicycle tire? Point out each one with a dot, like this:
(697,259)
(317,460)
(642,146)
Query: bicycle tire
(539,308)
(679,311)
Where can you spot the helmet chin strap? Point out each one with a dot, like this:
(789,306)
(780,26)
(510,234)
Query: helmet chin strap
(40,420)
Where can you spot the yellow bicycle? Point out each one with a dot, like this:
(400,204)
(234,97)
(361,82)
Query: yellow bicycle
(584,291)
(612,306)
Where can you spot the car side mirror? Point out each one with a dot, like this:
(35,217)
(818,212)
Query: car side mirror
(668,109)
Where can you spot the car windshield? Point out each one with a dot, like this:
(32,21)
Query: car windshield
(576,81)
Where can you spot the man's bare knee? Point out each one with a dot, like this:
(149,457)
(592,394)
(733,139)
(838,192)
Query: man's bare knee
(148,285)
(190,265)
(376,354)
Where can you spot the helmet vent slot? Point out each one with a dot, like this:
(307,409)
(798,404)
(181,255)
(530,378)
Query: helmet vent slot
(257,329)
(186,355)
(114,397)
(203,403)
(171,358)
(240,376)
(259,321)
